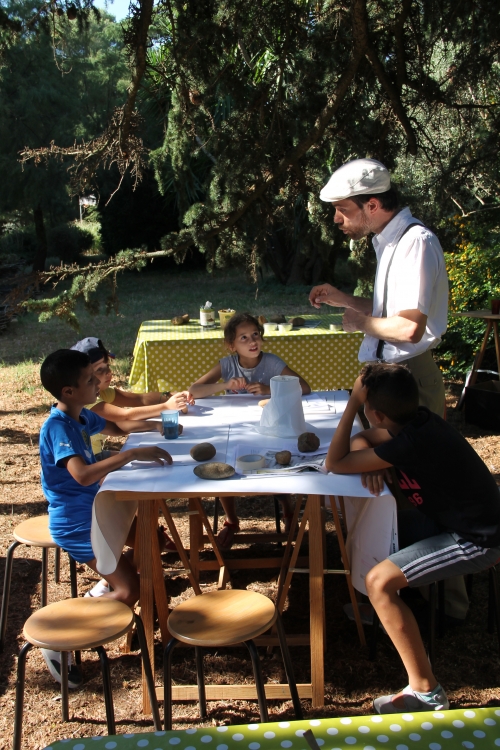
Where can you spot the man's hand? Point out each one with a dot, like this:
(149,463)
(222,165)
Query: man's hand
(374,480)
(259,389)
(353,320)
(328,295)
(236,384)
(152,453)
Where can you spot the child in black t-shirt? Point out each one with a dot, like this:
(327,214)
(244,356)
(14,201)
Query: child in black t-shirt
(446,481)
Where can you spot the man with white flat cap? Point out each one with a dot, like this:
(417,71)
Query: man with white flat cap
(408,313)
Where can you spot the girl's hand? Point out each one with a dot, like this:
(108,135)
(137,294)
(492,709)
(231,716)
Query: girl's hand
(236,384)
(152,453)
(177,400)
(259,389)
(189,398)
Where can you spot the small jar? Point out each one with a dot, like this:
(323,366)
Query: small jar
(207,317)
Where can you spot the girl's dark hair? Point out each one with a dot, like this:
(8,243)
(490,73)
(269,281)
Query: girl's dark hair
(392,390)
(236,320)
(388,200)
(62,368)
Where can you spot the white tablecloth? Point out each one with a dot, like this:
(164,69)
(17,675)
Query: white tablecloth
(226,422)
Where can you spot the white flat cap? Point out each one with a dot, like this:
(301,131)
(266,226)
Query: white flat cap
(357,177)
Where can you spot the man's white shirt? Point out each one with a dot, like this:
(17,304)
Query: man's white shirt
(417,281)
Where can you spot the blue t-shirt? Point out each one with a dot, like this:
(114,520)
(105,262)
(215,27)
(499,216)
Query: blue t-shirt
(70,503)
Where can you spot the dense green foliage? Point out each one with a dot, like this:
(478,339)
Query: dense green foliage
(264,99)
(53,88)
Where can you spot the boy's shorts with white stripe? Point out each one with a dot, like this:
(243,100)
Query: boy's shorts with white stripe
(442,556)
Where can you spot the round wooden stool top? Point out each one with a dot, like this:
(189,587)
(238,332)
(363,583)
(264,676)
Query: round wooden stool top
(34,531)
(222,618)
(78,624)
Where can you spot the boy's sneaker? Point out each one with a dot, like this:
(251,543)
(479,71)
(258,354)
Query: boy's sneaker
(53,661)
(101,588)
(409,700)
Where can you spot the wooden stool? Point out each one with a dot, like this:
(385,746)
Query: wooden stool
(224,618)
(34,533)
(78,625)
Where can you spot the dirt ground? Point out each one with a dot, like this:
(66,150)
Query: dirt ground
(468,657)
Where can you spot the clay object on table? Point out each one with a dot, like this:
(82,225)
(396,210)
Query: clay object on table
(277,319)
(203,451)
(297,322)
(214,470)
(283,458)
(180,320)
(308,442)
(264,402)
(262,319)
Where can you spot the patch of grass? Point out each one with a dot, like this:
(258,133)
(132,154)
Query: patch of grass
(150,296)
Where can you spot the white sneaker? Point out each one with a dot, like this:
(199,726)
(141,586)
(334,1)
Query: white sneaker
(53,661)
(410,700)
(101,587)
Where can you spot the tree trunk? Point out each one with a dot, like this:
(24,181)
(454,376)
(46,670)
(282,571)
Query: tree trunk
(41,236)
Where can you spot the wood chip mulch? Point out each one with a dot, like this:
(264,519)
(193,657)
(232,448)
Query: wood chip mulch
(468,657)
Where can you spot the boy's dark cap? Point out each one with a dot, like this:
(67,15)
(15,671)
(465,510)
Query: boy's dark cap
(93,347)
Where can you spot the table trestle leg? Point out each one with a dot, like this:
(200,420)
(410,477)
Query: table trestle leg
(347,569)
(224,575)
(180,547)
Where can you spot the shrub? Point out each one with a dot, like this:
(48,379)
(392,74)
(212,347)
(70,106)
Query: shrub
(474,274)
(67,241)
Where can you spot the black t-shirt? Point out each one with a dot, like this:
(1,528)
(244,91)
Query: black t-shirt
(442,476)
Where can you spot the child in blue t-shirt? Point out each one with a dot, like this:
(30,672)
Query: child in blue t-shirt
(70,474)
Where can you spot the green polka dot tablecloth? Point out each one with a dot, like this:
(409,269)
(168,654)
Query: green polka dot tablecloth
(168,357)
(433,730)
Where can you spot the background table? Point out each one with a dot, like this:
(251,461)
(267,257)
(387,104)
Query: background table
(226,422)
(491,323)
(469,728)
(179,355)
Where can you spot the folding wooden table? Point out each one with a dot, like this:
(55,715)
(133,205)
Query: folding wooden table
(226,422)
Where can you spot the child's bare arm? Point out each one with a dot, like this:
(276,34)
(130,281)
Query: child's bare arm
(86,474)
(126,426)
(341,459)
(141,401)
(115,413)
(209,384)
(306,388)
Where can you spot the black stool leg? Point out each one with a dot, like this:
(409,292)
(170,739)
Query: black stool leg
(167,682)
(57,565)
(64,686)
(18,716)
(432,623)
(148,672)
(200,679)
(6,590)
(72,577)
(45,557)
(216,515)
(287,661)
(372,653)
(108,695)
(495,595)
(259,683)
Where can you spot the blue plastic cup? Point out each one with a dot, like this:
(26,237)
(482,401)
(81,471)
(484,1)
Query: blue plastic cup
(170,424)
